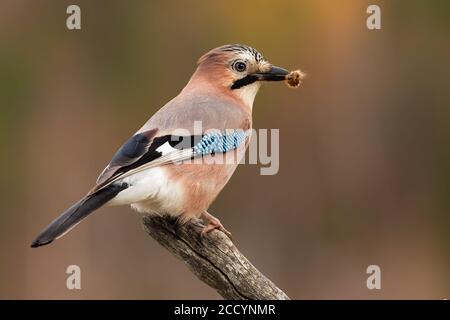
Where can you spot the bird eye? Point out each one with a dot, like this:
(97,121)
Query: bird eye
(239,66)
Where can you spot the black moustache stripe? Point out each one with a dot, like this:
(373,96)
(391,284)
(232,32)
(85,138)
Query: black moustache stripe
(249,79)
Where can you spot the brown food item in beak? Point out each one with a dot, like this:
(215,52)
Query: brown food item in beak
(293,78)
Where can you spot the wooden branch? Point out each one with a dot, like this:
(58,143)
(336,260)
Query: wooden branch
(213,259)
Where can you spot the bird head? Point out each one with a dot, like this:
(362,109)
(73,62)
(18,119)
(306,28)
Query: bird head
(237,70)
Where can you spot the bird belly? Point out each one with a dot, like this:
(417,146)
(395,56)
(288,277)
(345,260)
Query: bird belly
(185,189)
(151,191)
(201,183)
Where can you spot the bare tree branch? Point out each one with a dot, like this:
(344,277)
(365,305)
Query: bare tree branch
(213,259)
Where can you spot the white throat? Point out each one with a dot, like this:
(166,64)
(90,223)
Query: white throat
(247,93)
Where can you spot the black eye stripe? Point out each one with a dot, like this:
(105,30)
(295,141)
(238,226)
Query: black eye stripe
(249,79)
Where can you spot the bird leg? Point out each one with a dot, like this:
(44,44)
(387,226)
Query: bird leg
(213,223)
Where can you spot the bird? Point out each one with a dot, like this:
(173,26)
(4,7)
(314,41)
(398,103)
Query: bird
(167,166)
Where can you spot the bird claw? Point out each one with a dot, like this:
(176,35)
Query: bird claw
(213,224)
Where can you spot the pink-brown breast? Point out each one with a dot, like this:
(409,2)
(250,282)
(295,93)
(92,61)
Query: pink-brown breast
(202,181)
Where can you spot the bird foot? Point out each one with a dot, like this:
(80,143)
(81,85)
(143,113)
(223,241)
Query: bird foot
(212,224)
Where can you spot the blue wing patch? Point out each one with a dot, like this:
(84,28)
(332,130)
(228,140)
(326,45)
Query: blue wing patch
(219,142)
(142,148)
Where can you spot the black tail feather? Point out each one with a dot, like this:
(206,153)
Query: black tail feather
(69,218)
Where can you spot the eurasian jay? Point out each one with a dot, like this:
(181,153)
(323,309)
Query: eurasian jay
(156,170)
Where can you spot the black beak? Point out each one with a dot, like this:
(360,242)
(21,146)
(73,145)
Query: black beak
(274,74)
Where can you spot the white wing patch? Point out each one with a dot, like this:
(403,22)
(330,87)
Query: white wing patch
(165,149)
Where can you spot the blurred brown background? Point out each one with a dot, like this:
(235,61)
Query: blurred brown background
(365,165)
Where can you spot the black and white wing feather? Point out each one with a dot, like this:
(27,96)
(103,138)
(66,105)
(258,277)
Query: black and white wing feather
(146,150)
